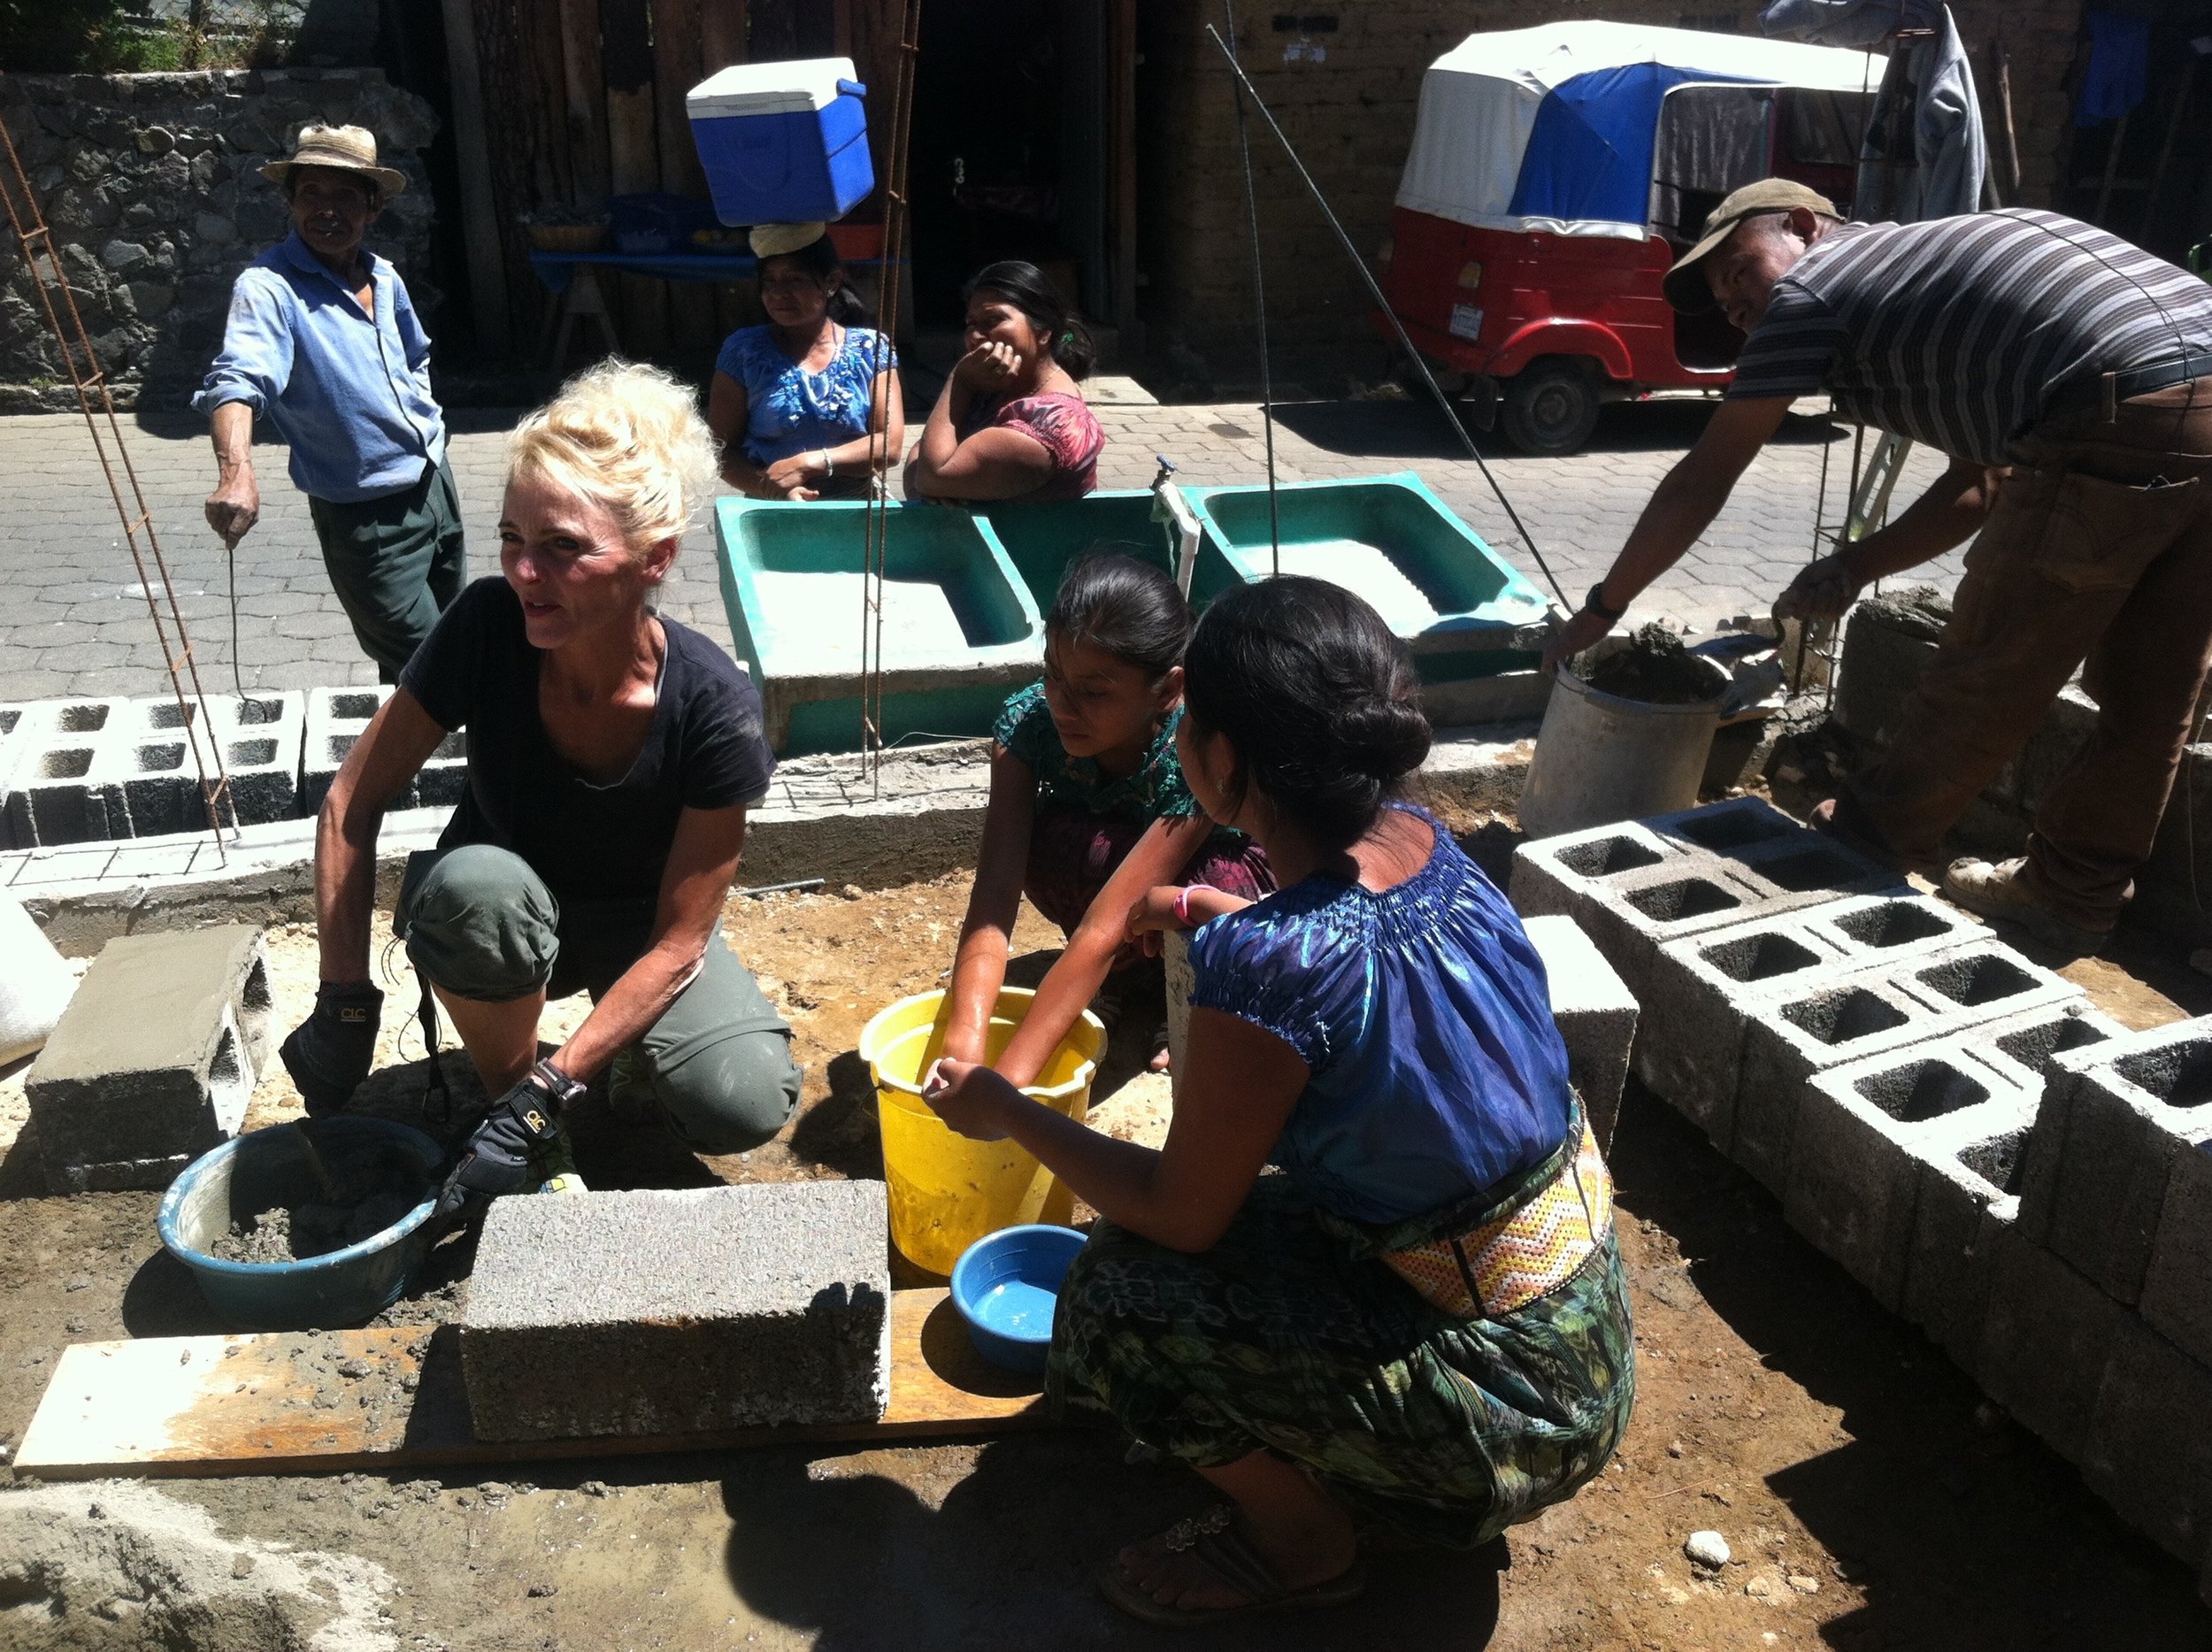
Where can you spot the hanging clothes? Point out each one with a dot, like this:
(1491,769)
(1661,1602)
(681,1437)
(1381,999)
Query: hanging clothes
(1924,154)
(2119,73)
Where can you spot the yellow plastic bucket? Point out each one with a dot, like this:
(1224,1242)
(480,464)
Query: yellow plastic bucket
(947,1192)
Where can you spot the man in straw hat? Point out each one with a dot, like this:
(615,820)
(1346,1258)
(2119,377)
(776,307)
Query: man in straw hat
(2068,375)
(323,340)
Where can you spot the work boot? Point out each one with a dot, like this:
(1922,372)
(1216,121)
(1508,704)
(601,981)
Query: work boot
(2000,890)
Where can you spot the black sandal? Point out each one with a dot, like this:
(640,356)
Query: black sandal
(1213,1539)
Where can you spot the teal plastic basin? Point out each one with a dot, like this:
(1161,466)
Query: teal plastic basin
(960,629)
(270,1168)
(1462,608)
(1040,540)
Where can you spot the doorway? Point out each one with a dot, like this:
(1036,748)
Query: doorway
(1009,150)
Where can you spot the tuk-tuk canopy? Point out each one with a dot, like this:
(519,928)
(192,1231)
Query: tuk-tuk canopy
(1555,128)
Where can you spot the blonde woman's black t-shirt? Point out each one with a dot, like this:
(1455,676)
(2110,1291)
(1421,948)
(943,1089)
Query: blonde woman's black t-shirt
(477,671)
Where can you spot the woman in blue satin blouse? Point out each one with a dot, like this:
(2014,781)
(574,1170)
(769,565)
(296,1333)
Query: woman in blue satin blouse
(1421,1324)
(806,406)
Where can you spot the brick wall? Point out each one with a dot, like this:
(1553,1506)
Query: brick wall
(1351,116)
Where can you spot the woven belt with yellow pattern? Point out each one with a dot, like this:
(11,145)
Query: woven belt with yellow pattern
(1489,1271)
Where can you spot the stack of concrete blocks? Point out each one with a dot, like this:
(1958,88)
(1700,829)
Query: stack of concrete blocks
(154,1060)
(2015,1173)
(1596,1017)
(337,718)
(659,1314)
(2097,1332)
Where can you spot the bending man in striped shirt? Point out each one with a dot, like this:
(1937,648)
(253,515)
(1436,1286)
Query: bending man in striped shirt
(2069,377)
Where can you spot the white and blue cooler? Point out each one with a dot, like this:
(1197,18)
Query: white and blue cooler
(783,143)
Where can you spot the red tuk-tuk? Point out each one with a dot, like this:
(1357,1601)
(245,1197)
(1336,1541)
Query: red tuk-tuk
(1556,172)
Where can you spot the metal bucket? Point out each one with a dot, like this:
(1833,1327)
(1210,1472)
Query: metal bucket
(1600,758)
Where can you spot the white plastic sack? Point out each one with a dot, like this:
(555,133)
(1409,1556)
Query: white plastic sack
(35,985)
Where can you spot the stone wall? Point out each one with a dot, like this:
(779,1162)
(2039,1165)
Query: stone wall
(1351,114)
(151,186)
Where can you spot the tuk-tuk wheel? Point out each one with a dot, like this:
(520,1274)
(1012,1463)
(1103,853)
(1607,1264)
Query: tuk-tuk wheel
(1551,406)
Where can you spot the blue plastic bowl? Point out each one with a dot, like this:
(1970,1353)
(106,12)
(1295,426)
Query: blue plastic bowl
(270,1168)
(1006,1285)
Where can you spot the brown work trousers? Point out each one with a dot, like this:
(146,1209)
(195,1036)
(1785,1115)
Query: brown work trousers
(2099,547)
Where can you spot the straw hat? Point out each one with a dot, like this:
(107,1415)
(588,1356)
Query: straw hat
(773,241)
(347,148)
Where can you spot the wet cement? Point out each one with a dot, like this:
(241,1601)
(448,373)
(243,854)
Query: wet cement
(361,1193)
(1656,669)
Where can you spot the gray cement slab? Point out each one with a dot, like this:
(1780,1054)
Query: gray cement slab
(671,1312)
(154,1060)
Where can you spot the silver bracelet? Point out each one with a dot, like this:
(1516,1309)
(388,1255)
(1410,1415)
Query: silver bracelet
(829,466)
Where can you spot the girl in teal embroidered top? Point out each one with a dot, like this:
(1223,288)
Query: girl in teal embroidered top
(1088,809)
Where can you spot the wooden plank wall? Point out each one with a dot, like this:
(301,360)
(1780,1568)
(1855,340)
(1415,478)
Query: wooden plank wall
(581,99)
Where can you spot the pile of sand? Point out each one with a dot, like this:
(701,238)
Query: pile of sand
(116,1566)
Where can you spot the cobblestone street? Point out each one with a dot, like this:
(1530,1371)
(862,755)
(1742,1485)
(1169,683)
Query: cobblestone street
(73,621)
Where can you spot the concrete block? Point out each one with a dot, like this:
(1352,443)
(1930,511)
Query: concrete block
(1965,1206)
(336,718)
(69,776)
(2149,1449)
(2023,1045)
(256,741)
(2049,752)
(1870,1013)
(1885,648)
(1863,1133)
(2047,1337)
(2115,1115)
(1630,916)
(1788,1040)
(2178,1283)
(1727,828)
(1181,977)
(660,1313)
(155,1059)
(1557,874)
(1892,928)
(1984,981)
(1689,1049)
(1596,1017)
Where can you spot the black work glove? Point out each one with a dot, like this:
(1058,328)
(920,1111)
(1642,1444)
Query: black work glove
(330,1053)
(520,1126)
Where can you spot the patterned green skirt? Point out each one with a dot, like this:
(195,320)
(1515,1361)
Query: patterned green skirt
(1292,1335)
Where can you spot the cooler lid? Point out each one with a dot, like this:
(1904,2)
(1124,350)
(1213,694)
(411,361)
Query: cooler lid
(801,87)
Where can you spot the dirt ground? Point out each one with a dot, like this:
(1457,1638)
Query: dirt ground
(1871,1497)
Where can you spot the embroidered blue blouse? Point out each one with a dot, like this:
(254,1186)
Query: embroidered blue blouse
(1423,1011)
(789,409)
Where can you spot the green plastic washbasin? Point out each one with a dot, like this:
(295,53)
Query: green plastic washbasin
(1388,538)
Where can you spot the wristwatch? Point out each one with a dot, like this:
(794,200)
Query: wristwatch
(556,1086)
(1595,603)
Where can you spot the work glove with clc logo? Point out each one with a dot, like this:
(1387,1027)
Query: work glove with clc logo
(330,1053)
(502,1155)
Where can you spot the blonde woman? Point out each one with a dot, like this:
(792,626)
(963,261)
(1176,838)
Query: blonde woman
(612,755)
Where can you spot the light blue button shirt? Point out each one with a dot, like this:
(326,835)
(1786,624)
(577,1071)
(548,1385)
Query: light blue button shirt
(350,393)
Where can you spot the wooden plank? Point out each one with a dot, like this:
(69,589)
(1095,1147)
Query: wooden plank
(625,44)
(721,34)
(472,146)
(676,70)
(390,1400)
